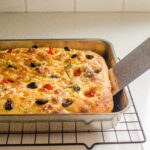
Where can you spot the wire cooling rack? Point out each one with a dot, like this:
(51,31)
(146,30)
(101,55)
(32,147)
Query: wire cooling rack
(128,130)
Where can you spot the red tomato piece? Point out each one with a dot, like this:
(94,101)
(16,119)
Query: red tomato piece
(51,51)
(48,87)
(5,80)
(10,80)
(91,93)
(77,72)
(9,51)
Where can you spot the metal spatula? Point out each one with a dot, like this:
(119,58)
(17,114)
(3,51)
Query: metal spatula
(130,67)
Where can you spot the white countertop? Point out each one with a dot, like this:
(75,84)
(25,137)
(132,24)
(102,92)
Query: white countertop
(124,30)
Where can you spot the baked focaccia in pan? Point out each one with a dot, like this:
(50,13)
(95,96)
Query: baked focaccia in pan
(53,80)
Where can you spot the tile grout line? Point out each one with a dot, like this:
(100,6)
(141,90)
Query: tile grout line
(74,5)
(26,9)
(123,5)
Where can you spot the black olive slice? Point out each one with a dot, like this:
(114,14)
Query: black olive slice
(33,65)
(67,48)
(74,56)
(11,66)
(32,85)
(34,46)
(89,56)
(41,102)
(9,105)
(66,103)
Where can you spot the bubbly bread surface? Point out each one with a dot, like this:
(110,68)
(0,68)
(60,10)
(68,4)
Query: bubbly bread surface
(53,80)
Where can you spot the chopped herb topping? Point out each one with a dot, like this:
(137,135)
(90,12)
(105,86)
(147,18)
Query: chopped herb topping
(67,73)
(42,75)
(75,87)
(69,65)
(27,110)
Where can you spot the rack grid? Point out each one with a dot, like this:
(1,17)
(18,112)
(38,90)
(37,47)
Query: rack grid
(128,130)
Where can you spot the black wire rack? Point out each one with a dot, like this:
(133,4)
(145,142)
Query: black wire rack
(128,130)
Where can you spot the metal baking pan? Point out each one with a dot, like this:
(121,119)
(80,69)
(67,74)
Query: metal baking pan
(102,47)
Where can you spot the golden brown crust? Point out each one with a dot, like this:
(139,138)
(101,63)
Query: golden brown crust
(62,81)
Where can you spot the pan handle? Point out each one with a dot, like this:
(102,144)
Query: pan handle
(132,66)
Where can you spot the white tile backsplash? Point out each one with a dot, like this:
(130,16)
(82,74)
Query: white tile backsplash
(12,5)
(74,6)
(137,5)
(50,5)
(99,5)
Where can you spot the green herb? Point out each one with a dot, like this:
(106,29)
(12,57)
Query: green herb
(43,63)
(67,73)
(8,61)
(75,87)
(42,75)
(54,76)
(24,108)
(69,65)
(47,76)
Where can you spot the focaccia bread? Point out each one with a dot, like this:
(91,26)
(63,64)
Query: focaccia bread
(53,80)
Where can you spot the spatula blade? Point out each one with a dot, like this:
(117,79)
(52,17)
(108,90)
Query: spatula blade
(130,67)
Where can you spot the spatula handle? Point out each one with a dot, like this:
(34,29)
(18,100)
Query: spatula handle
(133,65)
